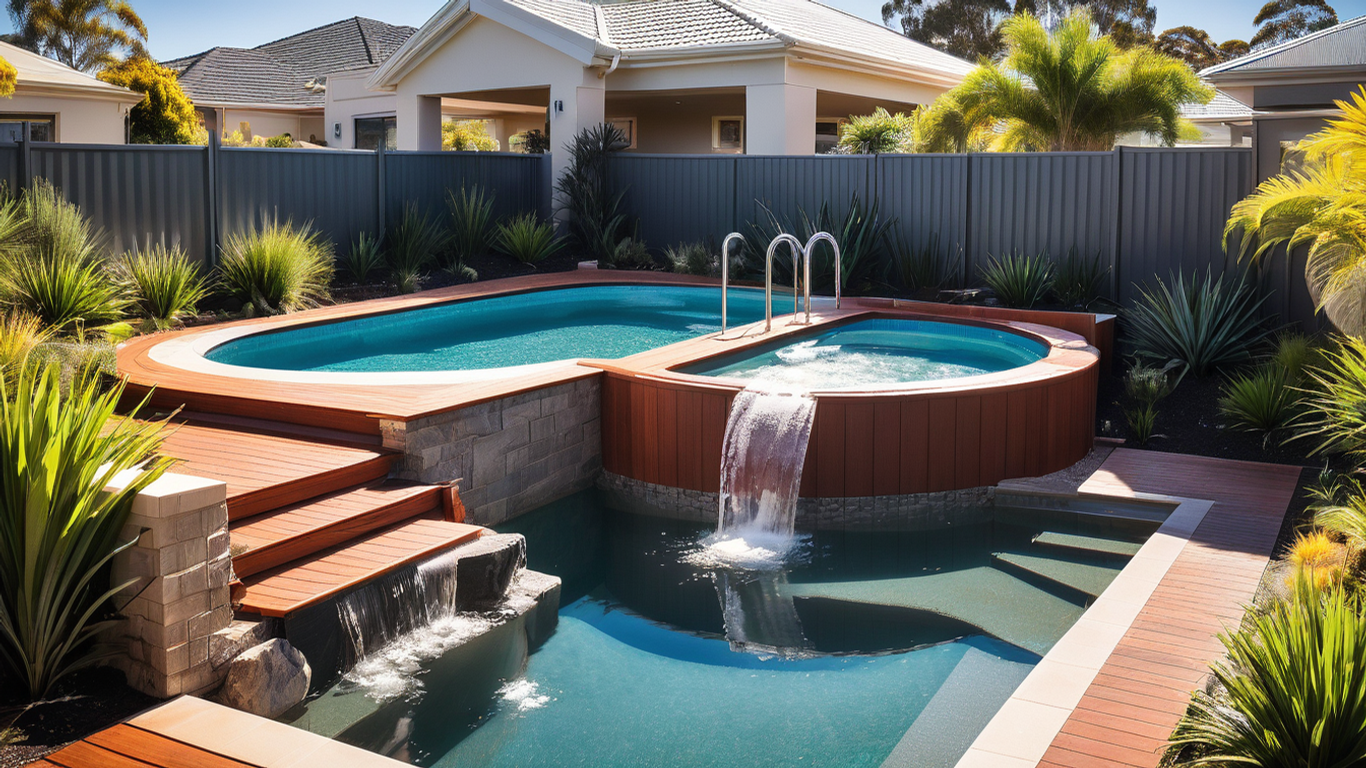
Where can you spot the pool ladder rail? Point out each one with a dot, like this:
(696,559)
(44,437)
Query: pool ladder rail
(801,275)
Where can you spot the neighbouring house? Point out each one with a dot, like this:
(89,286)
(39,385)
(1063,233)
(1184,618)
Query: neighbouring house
(62,104)
(769,77)
(1223,122)
(1290,88)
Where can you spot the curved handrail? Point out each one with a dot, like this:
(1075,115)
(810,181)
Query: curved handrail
(797,252)
(839,272)
(725,274)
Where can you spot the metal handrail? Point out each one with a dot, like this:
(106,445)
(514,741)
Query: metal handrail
(797,252)
(725,274)
(806,277)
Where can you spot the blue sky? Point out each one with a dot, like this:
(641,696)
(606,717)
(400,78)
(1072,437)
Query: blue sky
(178,28)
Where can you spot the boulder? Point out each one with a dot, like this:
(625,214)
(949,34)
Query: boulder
(485,568)
(267,679)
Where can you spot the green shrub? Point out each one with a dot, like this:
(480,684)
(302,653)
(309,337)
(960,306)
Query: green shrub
(1199,324)
(54,266)
(1146,387)
(1078,281)
(59,530)
(1292,693)
(415,245)
(1338,502)
(1259,401)
(1295,354)
(471,223)
(277,268)
(629,254)
(1018,280)
(527,239)
(364,257)
(283,141)
(164,285)
(1334,416)
(929,266)
(878,133)
(20,334)
(693,259)
(596,221)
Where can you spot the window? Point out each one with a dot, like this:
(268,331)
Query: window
(827,134)
(728,134)
(41,127)
(627,126)
(370,130)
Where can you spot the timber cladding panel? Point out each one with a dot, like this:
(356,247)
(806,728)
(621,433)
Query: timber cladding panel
(671,433)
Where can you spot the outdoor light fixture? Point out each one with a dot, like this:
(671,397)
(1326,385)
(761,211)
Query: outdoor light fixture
(336,130)
(559,105)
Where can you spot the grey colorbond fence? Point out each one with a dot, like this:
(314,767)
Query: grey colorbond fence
(1146,211)
(193,196)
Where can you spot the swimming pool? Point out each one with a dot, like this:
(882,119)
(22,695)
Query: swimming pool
(879,352)
(859,648)
(601,321)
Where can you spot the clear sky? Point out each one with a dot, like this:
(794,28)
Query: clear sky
(177,27)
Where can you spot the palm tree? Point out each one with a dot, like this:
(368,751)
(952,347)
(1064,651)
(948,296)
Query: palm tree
(1321,205)
(88,35)
(1073,89)
(1281,20)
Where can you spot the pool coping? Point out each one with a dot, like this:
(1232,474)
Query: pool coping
(1025,726)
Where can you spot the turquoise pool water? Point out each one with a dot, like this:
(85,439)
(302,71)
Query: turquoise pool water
(608,321)
(879,352)
(864,649)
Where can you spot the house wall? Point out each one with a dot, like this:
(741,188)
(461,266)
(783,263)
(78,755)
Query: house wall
(674,125)
(1268,135)
(265,123)
(78,120)
(348,99)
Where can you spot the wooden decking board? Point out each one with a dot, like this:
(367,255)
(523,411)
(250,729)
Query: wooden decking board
(127,746)
(1131,707)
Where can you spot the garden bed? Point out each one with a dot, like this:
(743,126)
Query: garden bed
(82,704)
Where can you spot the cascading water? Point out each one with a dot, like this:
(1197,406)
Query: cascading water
(761,461)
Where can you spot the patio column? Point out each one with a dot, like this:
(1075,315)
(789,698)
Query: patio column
(574,106)
(419,122)
(780,120)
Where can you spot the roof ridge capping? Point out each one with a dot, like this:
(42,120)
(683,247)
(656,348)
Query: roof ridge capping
(1258,55)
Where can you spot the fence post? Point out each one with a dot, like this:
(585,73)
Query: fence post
(381,205)
(211,160)
(1115,238)
(25,155)
(967,221)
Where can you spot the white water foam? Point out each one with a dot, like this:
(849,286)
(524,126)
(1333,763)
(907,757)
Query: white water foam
(392,671)
(523,693)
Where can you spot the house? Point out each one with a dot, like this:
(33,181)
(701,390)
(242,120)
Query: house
(772,77)
(62,104)
(1290,88)
(1223,122)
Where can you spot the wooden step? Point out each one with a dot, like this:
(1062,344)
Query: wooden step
(281,591)
(268,471)
(274,538)
(1090,544)
(282,429)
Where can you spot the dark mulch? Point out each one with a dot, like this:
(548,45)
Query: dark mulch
(86,702)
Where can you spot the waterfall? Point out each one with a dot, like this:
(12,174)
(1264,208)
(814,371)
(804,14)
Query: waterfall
(397,604)
(759,616)
(761,461)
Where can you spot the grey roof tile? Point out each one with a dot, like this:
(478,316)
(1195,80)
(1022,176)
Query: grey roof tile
(1343,45)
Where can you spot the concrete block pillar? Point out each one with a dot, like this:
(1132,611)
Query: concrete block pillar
(418,122)
(780,120)
(180,597)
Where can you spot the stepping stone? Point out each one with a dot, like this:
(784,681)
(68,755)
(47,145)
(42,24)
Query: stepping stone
(1088,543)
(1086,578)
(995,602)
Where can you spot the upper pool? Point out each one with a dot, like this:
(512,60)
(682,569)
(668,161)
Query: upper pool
(878,352)
(604,321)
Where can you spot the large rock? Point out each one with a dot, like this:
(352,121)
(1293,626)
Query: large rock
(485,569)
(267,679)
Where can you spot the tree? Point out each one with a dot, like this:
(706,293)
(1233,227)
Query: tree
(83,34)
(969,29)
(165,114)
(1072,89)
(467,136)
(1321,205)
(1197,48)
(1282,20)
(9,77)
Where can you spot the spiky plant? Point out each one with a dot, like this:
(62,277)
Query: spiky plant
(277,267)
(929,266)
(20,334)
(1334,417)
(364,257)
(471,223)
(528,239)
(693,259)
(59,528)
(1322,206)
(877,133)
(1019,280)
(1259,401)
(1078,280)
(415,245)
(596,221)
(1200,324)
(165,286)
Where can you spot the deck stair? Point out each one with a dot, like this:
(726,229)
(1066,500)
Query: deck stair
(1090,544)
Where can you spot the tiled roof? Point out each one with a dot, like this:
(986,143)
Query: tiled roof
(35,70)
(637,25)
(1222,106)
(1343,45)
(286,71)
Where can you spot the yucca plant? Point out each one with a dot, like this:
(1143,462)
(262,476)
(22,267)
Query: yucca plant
(1018,280)
(528,239)
(1077,280)
(1334,416)
(415,245)
(53,264)
(1261,400)
(471,223)
(276,268)
(165,286)
(1200,324)
(20,334)
(693,259)
(59,529)
(364,257)
(929,266)
(596,220)
(1292,693)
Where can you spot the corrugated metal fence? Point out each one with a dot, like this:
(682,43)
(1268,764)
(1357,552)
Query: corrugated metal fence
(193,196)
(1147,211)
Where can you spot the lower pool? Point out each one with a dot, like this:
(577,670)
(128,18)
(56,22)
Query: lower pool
(878,352)
(859,649)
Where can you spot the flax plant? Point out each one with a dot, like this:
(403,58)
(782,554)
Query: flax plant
(59,529)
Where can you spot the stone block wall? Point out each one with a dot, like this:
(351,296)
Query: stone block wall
(179,598)
(509,455)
